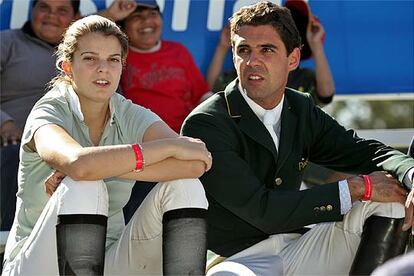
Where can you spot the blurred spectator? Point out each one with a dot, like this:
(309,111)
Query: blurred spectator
(27,65)
(160,75)
(319,83)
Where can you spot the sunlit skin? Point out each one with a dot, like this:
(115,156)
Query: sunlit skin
(96,68)
(144,28)
(262,63)
(50,18)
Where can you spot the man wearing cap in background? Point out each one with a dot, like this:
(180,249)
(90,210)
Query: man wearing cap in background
(262,135)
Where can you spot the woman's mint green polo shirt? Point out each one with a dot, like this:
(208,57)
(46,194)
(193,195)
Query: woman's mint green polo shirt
(127,125)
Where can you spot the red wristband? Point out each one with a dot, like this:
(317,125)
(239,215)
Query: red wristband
(139,158)
(368,188)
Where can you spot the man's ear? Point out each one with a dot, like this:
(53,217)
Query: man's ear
(67,67)
(294,59)
(233,56)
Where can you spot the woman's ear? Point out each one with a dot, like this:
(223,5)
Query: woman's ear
(294,59)
(67,68)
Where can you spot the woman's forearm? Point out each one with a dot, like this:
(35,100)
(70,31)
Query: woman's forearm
(168,169)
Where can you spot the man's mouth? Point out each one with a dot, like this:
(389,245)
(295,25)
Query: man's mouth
(255,77)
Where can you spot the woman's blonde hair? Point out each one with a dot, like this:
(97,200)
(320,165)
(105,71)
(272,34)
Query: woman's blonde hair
(79,28)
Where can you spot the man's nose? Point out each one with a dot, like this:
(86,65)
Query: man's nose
(254,59)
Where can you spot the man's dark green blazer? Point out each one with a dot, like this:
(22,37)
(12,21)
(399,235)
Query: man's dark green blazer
(253,189)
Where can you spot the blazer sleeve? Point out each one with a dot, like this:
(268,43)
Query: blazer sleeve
(232,183)
(340,149)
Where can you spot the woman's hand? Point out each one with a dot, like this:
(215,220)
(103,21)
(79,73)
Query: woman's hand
(225,38)
(315,33)
(187,148)
(53,181)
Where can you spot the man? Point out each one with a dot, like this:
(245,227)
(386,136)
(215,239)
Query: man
(261,136)
(27,65)
(318,82)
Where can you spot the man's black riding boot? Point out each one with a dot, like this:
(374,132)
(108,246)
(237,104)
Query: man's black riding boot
(382,239)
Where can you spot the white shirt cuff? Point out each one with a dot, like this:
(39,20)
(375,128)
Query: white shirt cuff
(344,197)
(408,179)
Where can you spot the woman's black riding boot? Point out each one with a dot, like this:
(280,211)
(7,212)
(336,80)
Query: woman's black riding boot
(81,244)
(184,240)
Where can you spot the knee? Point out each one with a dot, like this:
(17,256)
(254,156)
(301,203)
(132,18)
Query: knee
(82,197)
(182,193)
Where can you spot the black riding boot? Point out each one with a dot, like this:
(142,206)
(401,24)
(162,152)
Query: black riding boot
(81,244)
(381,239)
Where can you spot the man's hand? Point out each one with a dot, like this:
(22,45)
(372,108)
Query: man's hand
(385,188)
(53,181)
(10,133)
(119,9)
(409,211)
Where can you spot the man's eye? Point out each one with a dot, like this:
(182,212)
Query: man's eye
(89,58)
(268,50)
(62,11)
(43,8)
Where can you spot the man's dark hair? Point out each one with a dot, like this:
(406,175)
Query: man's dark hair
(75,5)
(267,13)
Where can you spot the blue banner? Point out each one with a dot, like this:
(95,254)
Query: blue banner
(369,44)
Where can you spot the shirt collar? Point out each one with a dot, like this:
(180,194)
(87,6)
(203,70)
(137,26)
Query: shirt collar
(151,50)
(272,115)
(74,102)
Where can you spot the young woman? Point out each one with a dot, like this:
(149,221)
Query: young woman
(82,149)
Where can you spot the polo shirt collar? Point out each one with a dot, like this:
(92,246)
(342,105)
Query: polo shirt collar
(74,102)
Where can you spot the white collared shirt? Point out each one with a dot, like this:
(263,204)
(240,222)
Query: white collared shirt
(267,116)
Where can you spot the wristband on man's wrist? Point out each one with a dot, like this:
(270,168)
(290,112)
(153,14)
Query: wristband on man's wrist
(368,188)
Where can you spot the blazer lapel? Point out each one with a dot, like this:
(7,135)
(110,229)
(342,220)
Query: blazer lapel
(249,123)
(287,133)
